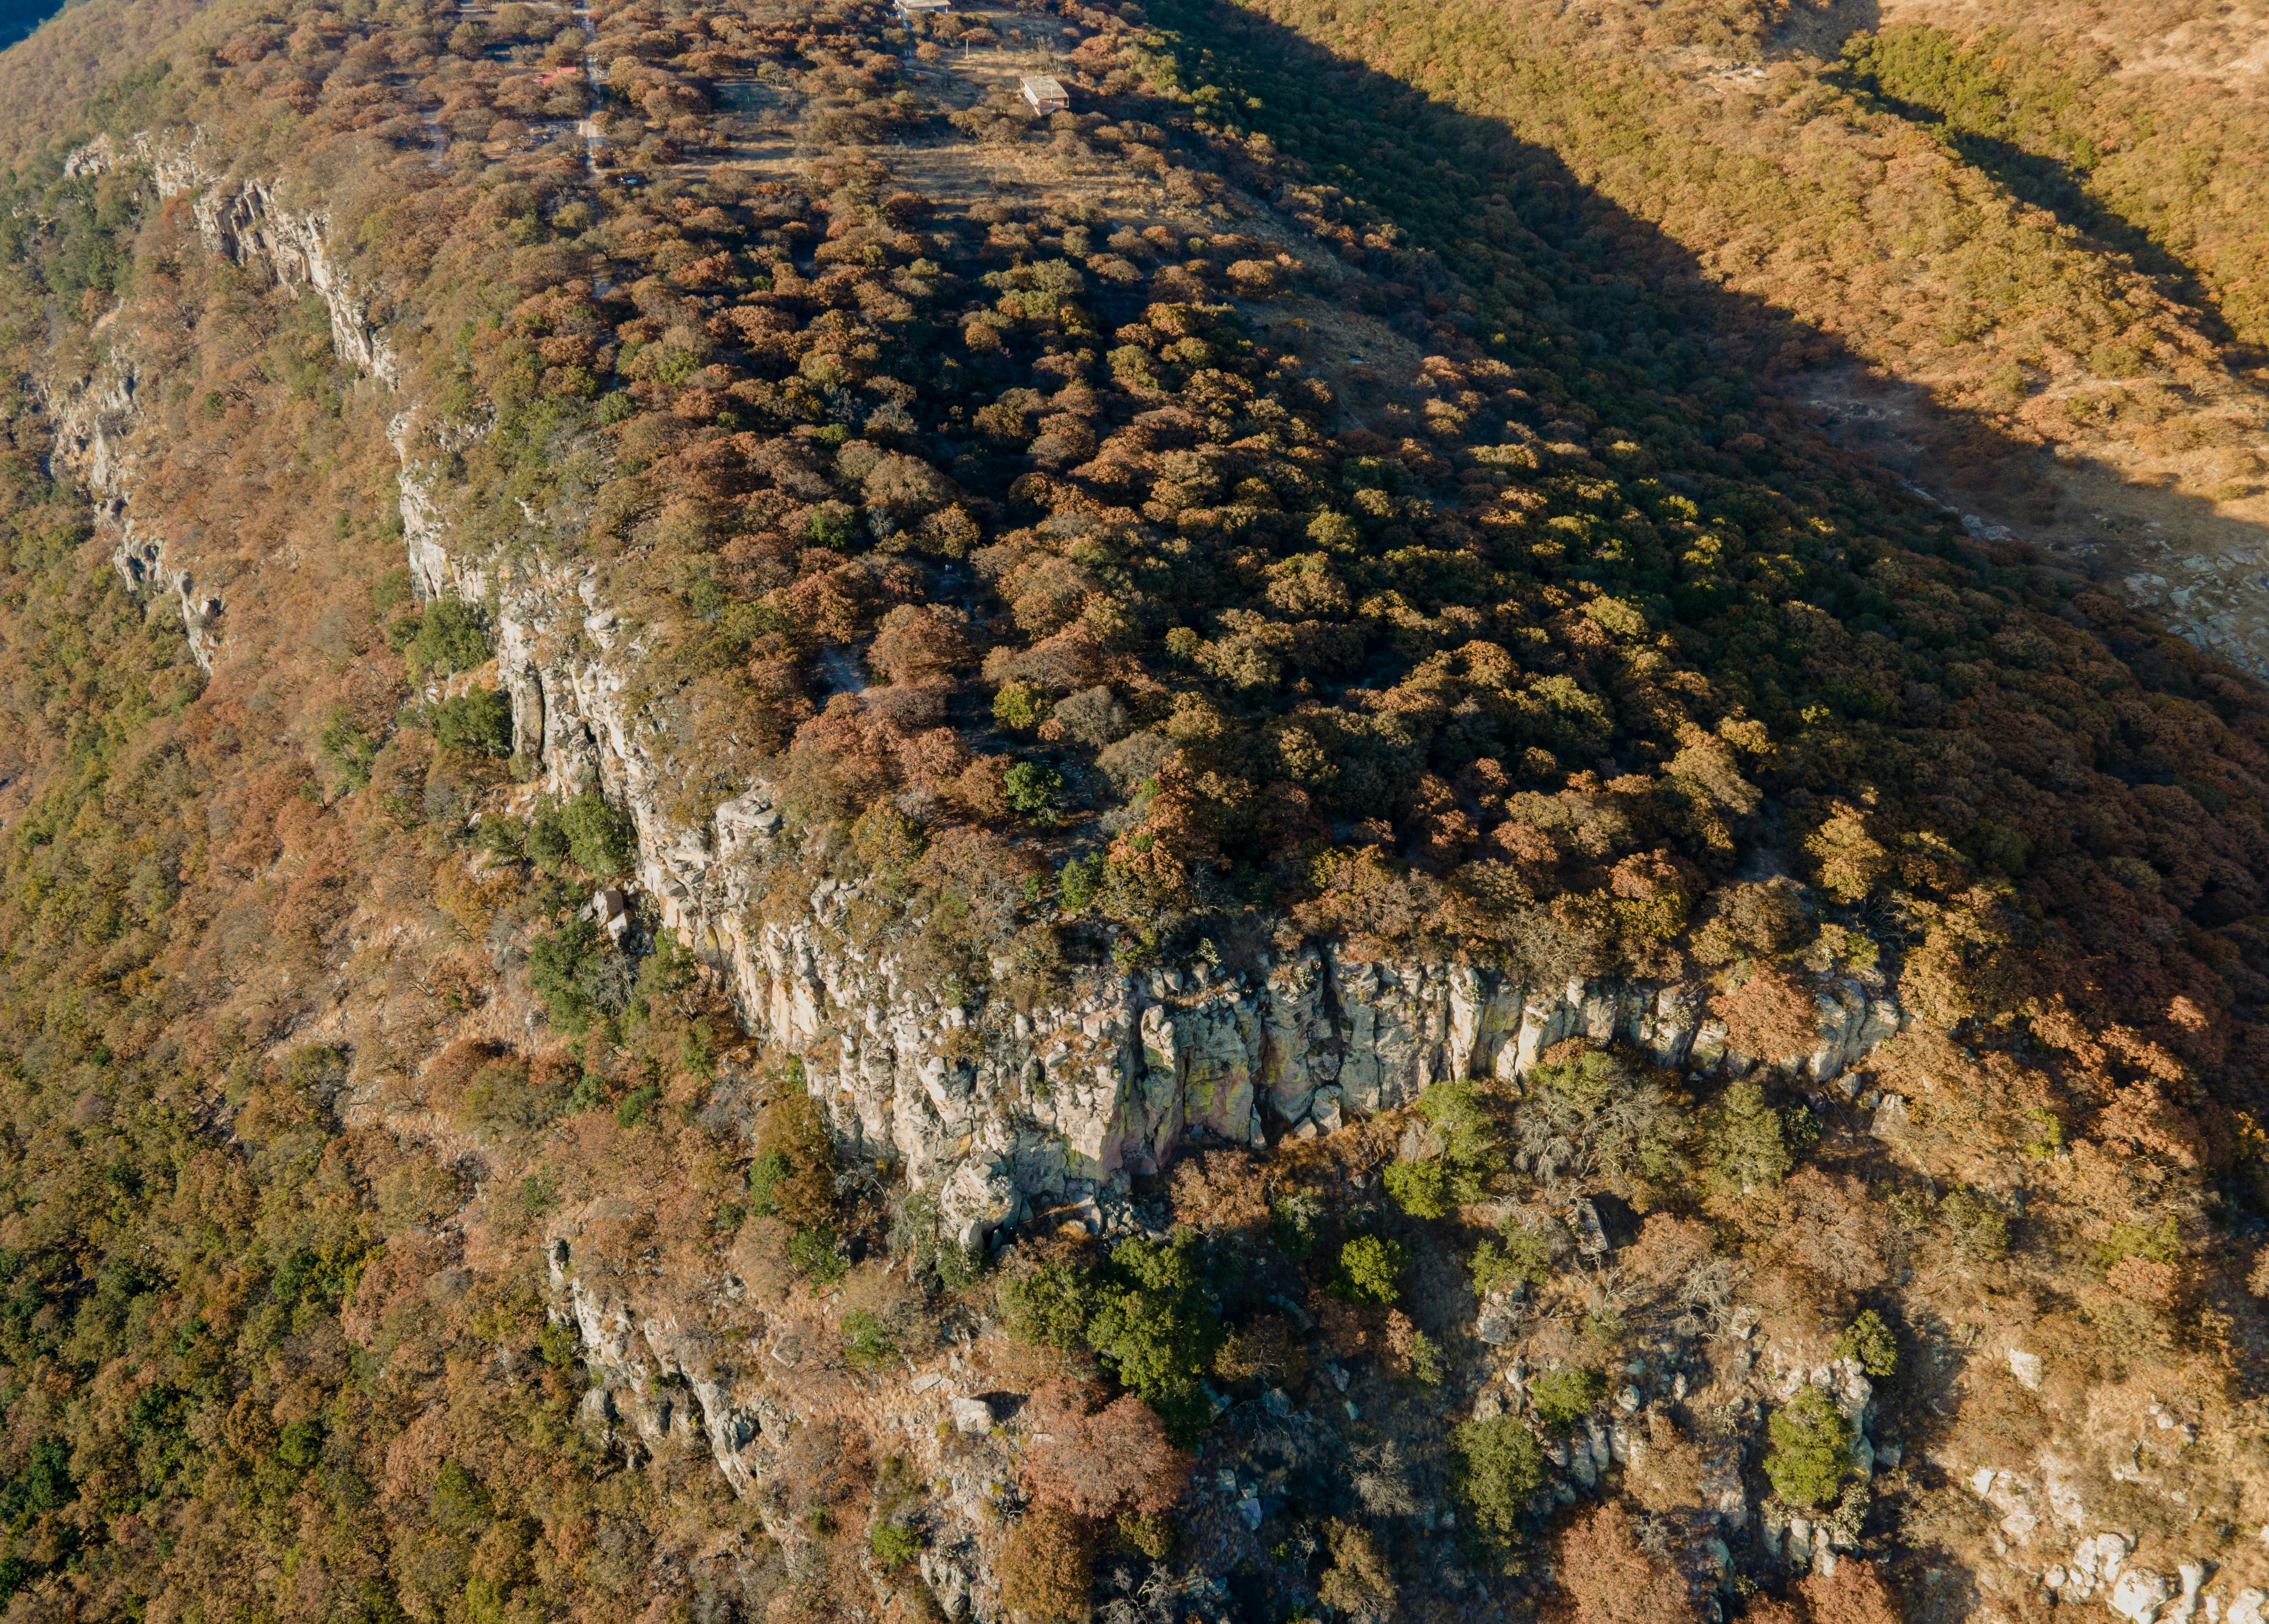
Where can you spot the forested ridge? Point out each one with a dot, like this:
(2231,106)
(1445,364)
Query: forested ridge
(1341,502)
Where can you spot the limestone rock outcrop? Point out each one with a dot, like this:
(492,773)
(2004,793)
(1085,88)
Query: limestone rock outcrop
(1002,1117)
(245,221)
(659,1381)
(997,1117)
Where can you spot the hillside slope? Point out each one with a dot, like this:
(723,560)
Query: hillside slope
(781,845)
(2011,272)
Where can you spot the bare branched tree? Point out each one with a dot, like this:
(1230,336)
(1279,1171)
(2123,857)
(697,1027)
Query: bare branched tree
(1381,1479)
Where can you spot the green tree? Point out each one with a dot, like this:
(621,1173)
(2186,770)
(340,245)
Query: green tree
(765,1175)
(546,844)
(1033,790)
(1078,881)
(1159,1326)
(1869,1340)
(866,1340)
(451,636)
(1565,1395)
(45,1483)
(1455,1110)
(1744,1140)
(575,971)
(793,1174)
(1021,706)
(1811,1452)
(1519,1255)
(1500,1468)
(893,1545)
(348,750)
(887,843)
(1421,1189)
(817,1254)
(1592,1116)
(835,525)
(300,1444)
(1046,1305)
(478,722)
(393,588)
(1295,1221)
(633,1107)
(459,1500)
(1980,1230)
(601,840)
(584,832)
(1370,1270)
(1469,1153)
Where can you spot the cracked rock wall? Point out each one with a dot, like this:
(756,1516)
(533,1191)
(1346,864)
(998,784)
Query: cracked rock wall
(1059,1106)
(246,221)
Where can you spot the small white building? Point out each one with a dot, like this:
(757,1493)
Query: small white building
(1045,94)
(909,11)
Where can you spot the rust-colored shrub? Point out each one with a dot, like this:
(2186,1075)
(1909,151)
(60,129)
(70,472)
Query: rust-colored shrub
(1609,1580)
(1220,1191)
(825,1466)
(1855,1593)
(1047,1566)
(449,1073)
(917,641)
(1666,1470)
(1770,1017)
(1360,1581)
(794,1175)
(1265,1349)
(1098,1462)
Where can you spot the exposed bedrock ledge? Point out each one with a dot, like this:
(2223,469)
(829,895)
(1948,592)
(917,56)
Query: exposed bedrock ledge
(242,220)
(1000,1114)
(1116,1076)
(661,1380)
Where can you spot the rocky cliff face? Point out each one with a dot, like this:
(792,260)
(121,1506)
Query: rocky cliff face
(94,443)
(1004,1117)
(245,221)
(1059,1107)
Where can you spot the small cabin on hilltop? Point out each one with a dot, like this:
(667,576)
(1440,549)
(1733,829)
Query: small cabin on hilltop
(1046,95)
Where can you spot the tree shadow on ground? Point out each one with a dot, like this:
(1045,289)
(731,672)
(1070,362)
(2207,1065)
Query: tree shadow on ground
(2056,187)
(1504,243)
